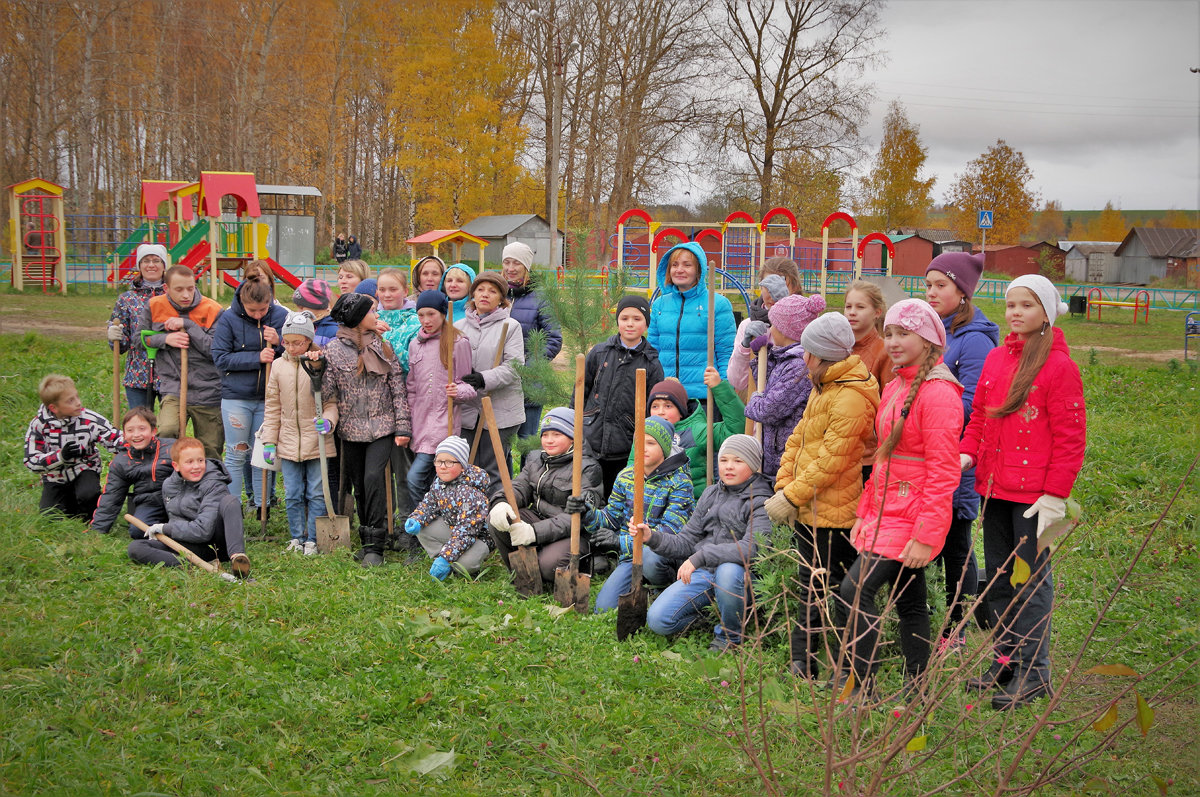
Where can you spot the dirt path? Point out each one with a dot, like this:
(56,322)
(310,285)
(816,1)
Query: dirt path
(1156,356)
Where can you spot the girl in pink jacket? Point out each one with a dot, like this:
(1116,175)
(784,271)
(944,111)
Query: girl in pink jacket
(1027,436)
(906,505)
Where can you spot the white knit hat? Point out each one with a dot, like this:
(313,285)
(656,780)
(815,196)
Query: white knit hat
(520,252)
(1044,290)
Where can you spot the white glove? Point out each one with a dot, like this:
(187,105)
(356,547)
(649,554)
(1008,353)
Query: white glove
(116,333)
(965,462)
(502,516)
(780,510)
(152,532)
(521,533)
(1049,510)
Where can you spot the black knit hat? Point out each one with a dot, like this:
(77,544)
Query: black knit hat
(636,302)
(351,308)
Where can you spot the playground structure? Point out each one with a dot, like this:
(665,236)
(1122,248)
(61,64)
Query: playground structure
(37,235)
(1140,304)
(439,238)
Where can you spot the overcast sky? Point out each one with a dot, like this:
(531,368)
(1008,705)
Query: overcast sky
(1097,95)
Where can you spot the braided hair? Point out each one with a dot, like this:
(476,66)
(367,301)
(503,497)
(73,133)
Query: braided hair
(889,443)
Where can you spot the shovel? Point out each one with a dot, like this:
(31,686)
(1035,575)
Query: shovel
(527,575)
(631,607)
(333,530)
(266,500)
(116,416)
(177,548)
(450,377)
(572,588)
(183,392)
(711,360)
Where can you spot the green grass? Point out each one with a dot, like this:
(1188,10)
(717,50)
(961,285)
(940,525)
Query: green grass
(325,678)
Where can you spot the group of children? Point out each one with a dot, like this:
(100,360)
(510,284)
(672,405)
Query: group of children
(880,428)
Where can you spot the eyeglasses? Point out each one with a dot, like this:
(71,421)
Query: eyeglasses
(445,463)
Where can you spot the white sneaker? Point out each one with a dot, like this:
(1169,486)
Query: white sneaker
(294,545)
(310,549)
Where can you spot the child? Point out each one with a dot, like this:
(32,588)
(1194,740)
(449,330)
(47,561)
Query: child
(140,468)
(456,283)
(351,272)
(779,407)
(182,318)
(1030,393)
(451,520)
(608,386)
(668,502)
(289,431)
(752,330)
(61,445)
(716,545)
(427,274)
(202,515)
(819,479)
(146,283)
(314,296)
(542,489)
(905,508)
(397,312)
(864,309)
(533,314)
(364,378)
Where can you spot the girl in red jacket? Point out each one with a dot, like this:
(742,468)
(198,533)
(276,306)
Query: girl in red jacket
(906,506)
(1026,437)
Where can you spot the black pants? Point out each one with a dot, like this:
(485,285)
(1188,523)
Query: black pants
(228,539)
(858,615)
(818,548)
(961,571)
(551,556)
(1021,614)
(365,464)
(610,468)
(77,498)
(402,505)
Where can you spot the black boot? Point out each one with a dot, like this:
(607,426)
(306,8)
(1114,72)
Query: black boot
(995,675)
(373,540)
(411,547)
(1024,687)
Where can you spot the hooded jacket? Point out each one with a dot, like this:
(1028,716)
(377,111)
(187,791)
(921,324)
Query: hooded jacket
(668,502)
(404,325)
(426,382)
(325,329)
(199,318)
(965,352)
(1038,449)
(459,305)
(544,485)
(724,527)
(502,383)
(781,404)
(463,505)
(194,508)
(141,473)
(353,249)
(237,343)
(609,382)
(533,314)
(128,313)
(291,410)
(679,326)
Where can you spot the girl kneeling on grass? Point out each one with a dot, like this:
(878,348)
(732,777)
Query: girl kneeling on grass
(1027,436)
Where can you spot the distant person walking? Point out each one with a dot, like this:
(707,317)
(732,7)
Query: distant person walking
(341,248)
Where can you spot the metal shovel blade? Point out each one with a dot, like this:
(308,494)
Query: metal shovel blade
(527,573)
(631,607)
(333,532)
(572,588)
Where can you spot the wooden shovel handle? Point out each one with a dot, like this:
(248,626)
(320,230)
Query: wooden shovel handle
(174,546)
(711,363)
(450,373)
(639,455)
(498,452)
(577,451)
(116,390)
(183,377)
(496,364)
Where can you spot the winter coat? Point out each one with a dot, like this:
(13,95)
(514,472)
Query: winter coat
(370,406)
(679,326)
(910,495)
(723,528)
(820,472)
(533,314)
(194,508)
(544,485)
(609,382)
(780,406)
(326,330)
(291,410)
(128,313)
(237,344)
(341,249)
(668,502)
(47,434)
(871,351)
(1038,449)
(204,382)
(353,249)
(503,384)
(965,352)
(462,504)
(426,382)
(404,325)
(141,473)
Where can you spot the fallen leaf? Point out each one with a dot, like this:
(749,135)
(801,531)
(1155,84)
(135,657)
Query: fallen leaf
(916,744)
(558,611)
(423,699)
(108,733)
(848,687)
(1107,721)
(671,655)
(1161,784)
(1145,714)
(1111,669)
(1020,573)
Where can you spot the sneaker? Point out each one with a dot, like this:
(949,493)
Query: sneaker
(722,645)
(239,563)
(310,548)
(294,545)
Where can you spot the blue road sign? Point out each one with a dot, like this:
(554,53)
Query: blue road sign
(985,219)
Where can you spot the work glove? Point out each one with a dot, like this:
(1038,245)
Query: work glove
(152,532)
(72,452)
(625,543)
(753,330)
(1049,510)
(578,505)
(521,533)
(322,425)
(780,510)
(440,568)
(474,379)
(965,462)
(116,333)
(411,526)
(269,453)
(501,516)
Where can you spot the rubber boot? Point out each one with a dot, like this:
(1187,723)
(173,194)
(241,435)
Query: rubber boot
(373,540)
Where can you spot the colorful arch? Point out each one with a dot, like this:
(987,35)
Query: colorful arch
(739,217)
(846,217)
(787,214)
(876,236)
(634,213)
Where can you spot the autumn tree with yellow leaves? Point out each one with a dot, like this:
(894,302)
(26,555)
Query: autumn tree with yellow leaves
(998,180)
(894,193)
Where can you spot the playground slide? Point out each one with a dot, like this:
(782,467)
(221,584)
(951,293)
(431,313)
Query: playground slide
(284,276)
(127,249)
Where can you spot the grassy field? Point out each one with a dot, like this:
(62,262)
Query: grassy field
(321,677)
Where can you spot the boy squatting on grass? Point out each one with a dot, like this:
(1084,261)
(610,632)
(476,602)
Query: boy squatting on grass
(60,445)
(138,473)
(451,521)
(201,514)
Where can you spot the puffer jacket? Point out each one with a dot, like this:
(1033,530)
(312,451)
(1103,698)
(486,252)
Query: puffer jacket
(610,378)
(1038,449)
(404,325)
(291,410)
(503,384)
(910,495)
(326,330)
(194,508)
(426,383)
(533,314)
(141,473)
(370,406)
(820,472)
(462,504)
(128,313)
(965,352)
(679,326)
(723,528)
(47,434)
(780,406)
(199,318)
(237,344)
(668,502)
(544,485)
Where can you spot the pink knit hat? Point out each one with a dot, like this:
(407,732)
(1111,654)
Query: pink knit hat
(917,316)
(791,314)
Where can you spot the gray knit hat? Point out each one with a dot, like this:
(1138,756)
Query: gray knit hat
(828,337)
(561,420)
(774,285)
(745,448)
(455,447)
(299,323)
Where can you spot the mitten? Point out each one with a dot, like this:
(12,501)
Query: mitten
(578,505)
(411,526)
(322,425)
(269,453)
(116,333)
(501,516)
(780,510)
(521,533)
(152,532)
(753,330)
(440,568)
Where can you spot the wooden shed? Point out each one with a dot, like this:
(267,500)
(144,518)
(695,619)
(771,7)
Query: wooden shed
(913,253)
(500,231)
(1092,262)
(1151,253)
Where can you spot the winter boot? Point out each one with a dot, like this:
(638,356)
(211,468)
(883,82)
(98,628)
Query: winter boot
(411,547)
(373,540)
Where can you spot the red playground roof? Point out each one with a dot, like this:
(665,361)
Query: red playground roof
(445,236)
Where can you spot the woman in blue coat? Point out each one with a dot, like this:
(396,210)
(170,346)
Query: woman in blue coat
(679,319)
(532,312)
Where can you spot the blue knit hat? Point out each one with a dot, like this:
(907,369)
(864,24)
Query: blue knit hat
(663,432)
(367,286)
(559,419)
(463,267)
(433,299)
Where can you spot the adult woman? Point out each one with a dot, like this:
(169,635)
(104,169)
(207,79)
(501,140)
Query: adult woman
(144,285)
(532,313)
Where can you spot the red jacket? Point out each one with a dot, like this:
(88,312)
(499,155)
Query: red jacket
(1039,448)
(910,495)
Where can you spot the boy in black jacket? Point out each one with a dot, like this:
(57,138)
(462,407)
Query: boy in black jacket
(141,470)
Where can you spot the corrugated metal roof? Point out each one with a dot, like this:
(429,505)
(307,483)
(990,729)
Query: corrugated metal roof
(1163,241)
(293,190)
(497,226)
(1092,249)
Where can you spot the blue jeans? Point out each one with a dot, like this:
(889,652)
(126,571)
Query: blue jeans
(533,420)
(241,418)
(680,604)
(420,477)
(137,397)
(655,570)
(303,497)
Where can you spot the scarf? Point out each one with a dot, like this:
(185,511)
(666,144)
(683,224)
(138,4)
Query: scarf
(368,358)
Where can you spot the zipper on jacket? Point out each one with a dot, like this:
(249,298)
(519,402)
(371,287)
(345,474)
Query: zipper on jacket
(678,326)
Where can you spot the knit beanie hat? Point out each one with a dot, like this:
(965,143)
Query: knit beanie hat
(663,432)
(1045,291)
(153,249)
(464,268)
(367,287)
(917,316)
(495,278)
(673,391)
(636,302)
(299,323)
(455,447)
(313,294)
(829,337)
(351,308)
(519,252)
(745,448)
(774,285)
(435,299)
(963,269)
(791,314)
(559,419)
